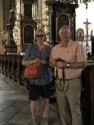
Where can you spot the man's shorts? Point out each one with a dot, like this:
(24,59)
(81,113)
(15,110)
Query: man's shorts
(36,91)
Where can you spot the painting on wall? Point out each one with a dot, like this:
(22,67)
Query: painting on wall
(28,34)
(62,19)
(80,34)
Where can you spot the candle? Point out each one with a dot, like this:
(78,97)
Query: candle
(40,7)
(32,10)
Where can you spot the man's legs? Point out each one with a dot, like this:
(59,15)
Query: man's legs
(73,95)
(68,97)
(63,105)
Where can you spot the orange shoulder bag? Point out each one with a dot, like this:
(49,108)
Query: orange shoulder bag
(34,70)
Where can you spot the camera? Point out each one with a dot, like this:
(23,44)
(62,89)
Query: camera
(59,59)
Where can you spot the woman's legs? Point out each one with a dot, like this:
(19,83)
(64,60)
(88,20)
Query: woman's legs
(45,104)
(34,97)
(35,92)
(34,109)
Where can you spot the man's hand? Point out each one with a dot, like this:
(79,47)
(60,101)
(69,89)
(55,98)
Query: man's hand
(52,63)
(61,64)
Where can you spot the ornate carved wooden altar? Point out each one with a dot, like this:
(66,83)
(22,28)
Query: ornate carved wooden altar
(60,14)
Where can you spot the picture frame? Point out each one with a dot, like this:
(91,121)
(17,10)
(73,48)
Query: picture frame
(28,34)
(80,35)
(62,19)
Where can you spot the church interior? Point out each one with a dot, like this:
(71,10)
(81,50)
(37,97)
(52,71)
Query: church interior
(19,21)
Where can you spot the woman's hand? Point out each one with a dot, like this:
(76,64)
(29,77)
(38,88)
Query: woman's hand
(43,61)
(28,62)
(36,60)
(52,63)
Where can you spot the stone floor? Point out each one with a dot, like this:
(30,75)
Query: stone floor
(15,106)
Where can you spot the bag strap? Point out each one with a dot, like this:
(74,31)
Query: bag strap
(43,51)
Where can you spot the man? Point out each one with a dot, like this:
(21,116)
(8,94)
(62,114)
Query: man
(68,59)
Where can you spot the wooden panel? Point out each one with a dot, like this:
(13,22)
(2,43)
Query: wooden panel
(87,97)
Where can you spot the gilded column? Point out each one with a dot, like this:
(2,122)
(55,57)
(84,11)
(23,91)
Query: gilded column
(51,25)
(50,7)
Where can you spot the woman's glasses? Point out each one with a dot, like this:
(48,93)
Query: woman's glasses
(41,35)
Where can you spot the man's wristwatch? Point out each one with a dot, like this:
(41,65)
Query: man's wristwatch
(68,65)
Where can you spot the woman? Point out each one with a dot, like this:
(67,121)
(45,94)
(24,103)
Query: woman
(39,87)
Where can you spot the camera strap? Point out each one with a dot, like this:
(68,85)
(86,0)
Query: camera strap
(63,74)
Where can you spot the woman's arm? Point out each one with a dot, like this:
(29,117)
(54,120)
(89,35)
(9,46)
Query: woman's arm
(28,62)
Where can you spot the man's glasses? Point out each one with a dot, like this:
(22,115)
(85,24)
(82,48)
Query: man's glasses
(39,35)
